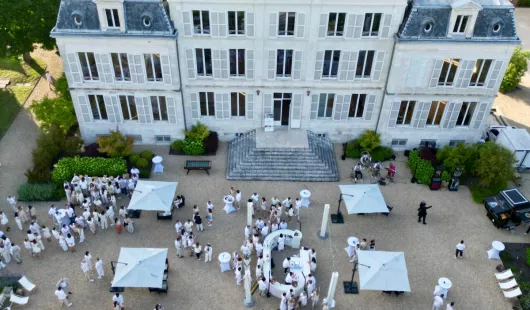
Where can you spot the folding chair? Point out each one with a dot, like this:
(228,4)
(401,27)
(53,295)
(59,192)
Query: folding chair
(504,275)
(508,285)
(15,299)
(512,293)
(26,284)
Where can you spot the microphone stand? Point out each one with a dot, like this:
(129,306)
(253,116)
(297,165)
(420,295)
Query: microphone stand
(338,218)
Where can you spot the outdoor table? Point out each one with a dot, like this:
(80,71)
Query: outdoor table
(229,200)
(305,194)
(157,160)
(496,248)
(224,261)
(352,243)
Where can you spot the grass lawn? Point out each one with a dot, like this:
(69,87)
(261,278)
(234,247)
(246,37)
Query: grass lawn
(9,107)
(20,72)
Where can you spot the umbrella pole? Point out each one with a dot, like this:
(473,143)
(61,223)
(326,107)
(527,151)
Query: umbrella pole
(338,218)
(351,287)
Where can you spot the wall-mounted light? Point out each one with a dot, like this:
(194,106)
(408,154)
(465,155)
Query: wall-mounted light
(308,92)
(257,92)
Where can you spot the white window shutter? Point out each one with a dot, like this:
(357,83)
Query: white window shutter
(190,63)
(194,102)
(117,108)
(344,66)
(423,114)
(393,115)
(352,66)
(345,107)
(139,68)
(319,62)
(273,25)
(300,25)
(447,114)
(148,110)
(216,55)
(186,22)
(387,21)
(166,69)
(323,27)
(223,26)
(84,107)
(111,116)
(249,109)
(369,108)
(337,107)
(214,24)
(73,64)
(436,70)
(99,67)
(297,65)
(314,107)
(108,74)
(132,68)
(379,61)
(218,105)
(139,101)
(267,105)
(494,76)
(224,64)
(296,111)
(454,115)
(171,110)
(227,111)
(249,64)
(249,20)
(358,29)
(271,67)
(350,25)
(480,113)
(417,115)
(466,69)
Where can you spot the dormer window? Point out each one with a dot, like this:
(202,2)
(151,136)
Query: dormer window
(461,24)
(113,19)
(78,18)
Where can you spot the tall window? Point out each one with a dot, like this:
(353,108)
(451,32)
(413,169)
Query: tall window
(286,23)
(357,105)
(461,24)
(365,61)
(480,72)
(284,63)
(88,66)
(113,19)
(436,112)
(448,73)
(97,105)
(159,107)
(201,22)
(237,62)
(331,64)
(238,104)
(204,61)
(325,105)
(466,113)
(121,67)
(372,22)
(236,22)
(336,23)
(207,103)
(153,69)
(406,109)
(128,108)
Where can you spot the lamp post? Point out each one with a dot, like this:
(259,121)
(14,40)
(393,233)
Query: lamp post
(351,287)
(338,218)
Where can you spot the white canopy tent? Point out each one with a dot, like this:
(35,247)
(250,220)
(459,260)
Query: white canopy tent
(140,267)
(153,196)
(363,198)
(383,271)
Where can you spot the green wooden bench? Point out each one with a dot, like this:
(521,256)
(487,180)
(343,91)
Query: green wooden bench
(198,165)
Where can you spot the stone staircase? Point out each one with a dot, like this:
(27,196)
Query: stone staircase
(313,164)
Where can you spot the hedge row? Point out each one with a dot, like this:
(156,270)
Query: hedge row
(93,166)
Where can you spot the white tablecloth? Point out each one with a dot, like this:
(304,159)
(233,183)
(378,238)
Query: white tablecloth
(224,261)
(229,200)
(305,194)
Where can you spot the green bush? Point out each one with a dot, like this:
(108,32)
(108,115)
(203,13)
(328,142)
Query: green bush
(147,154)
(142,163)
(193,147)
(353,149)
(381,153)
(37,192)
(460,156)
(424,171)
(525,298)
(93,166)
(133,158)
(177,145)
(515,70)
(494,166)
(478,193)
(446,176)
(414,158)
(197,132)
(369,140)
(116,145)
(144,173)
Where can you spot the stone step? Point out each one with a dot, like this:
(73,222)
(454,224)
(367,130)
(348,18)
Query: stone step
(299,178)
(315,172)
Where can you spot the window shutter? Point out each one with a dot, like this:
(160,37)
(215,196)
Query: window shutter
(271,70)
(466,69)
(386,26)
(297,65)
(323,28)
(352,66)
(132,69)
(117,108)
(186,21)
(344,66)
(380,59)
(218,105)
(300,25)
(139,101)
(447,114)
(249,109)
(84,108)
(296,111)
(190,63)
(338,106)
(107,69)
(214,24)
(369,108)
(249,64)
(454,115)
(350,26)
(273,25)
(267,105)
(492,81)
(216,55)
(111,116)
(250,24)
(194,102)
(75,72)
(423,113)
(166,69)
(148,110)
(222,24)
(99,67)
(224,64)
(318,65)
(227,111)
(436,70)
(171,110)
(314,107)
(479,115)
(392,117)
(417,114)
(358,30)
(139,68)
(345,107)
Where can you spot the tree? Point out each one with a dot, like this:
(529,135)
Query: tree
(460,156)
(369,140)
(56,111)
(116,145)
(494,166)
(516,69)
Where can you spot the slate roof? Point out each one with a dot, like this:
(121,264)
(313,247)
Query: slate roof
(135,12)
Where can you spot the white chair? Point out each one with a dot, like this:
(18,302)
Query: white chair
(512,293)
(28,286)
(504,275)
(15,299)
(508,285)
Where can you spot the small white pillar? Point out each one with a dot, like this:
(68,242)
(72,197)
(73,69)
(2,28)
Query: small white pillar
(248,301)
(250,212)
(331,290)
(322,234)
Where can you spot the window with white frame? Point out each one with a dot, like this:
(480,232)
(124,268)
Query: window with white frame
(448,72)
(453,143)
(284,63)
(325,105)
(159,108)
(207,103)
(406,110)
(236,22)
(238,103)
(331,64)
(88,66)
(336,22)
(461,23)
(162,139)
(113,18)
(371,25)
(466,113)
(286,23)
(204,61)
(128,108)
(480,72)
(97,105)
(428,143)
(201,22)
(357,102)
(399,142)
(153,69)
(436,112)
(237,62)
(365,62)
(121,67)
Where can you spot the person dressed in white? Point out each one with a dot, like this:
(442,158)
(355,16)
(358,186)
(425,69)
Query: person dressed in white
(18,221)
(259,271)
(27,246)
(238,199)
(188,226)
(4,220)
(119,299)
(265,231)
(12,201)
(245,250)
(260,223)
(91,224)
(103,220)
(110,215)
(255,200)
(6,254)
(262,286)
(122,213)
(63,298)
(303,298)
(248,232)
(88,259)
(14,250)
(238,276)
(283,302)
(259,249)
(99,268)
(208,251)
(70,241)
(438,302)
(297,205)
(281,243)
(178,245)
(81,234)
(178,226)
(62,243)
(86,270)
(460,249)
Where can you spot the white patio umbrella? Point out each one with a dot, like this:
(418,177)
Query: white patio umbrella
(153,196)
(140,267)
(383,271)
(363,198)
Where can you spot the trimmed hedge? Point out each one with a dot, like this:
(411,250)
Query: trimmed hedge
(353,149)
(92,166)
(381,153)
(421,168)
(37,192)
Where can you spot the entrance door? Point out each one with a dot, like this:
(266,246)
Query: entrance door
(282,106)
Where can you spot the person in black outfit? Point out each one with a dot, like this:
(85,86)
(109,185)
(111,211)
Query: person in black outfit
(422,212)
